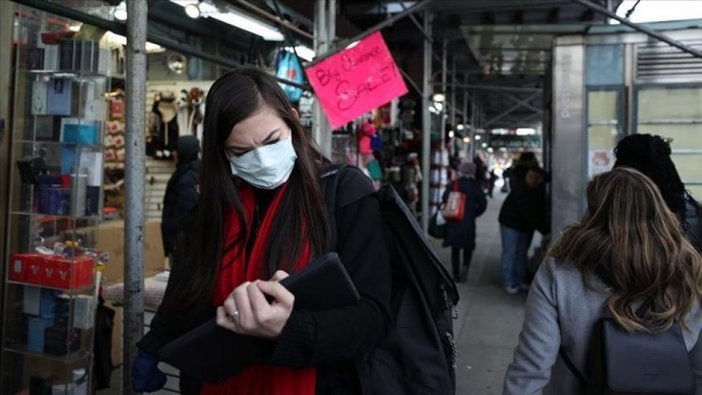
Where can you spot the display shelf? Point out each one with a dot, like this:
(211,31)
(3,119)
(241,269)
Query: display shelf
(70,358)
(70,291)
(55,203)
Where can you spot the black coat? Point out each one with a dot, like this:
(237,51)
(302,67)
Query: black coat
(462,233)
(525,208)
(179,201)
(331,339)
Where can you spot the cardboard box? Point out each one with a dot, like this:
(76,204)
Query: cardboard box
(110,238)
(19,266)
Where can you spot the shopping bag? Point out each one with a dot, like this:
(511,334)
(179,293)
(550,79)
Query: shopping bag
(455,205)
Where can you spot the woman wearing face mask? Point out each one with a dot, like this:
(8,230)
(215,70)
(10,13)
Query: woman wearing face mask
(261,216)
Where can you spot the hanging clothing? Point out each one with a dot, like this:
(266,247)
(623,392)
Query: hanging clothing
(238,266)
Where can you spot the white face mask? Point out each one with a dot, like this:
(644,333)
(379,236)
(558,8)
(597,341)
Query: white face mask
(266,167)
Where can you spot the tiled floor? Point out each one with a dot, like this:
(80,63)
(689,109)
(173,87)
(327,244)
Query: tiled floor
(489,319)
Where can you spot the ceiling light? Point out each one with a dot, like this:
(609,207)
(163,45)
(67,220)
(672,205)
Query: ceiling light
(439,106)
(477,137)
(460,126)
(75,28)
(451,134)
(433,110)
(484,145)
(233,17)
(439,97)
(192,10)
(466,140)
(490,150)
(121,11)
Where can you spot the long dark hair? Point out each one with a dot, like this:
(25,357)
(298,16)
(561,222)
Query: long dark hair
(301,217)
(630,235)
(650,154)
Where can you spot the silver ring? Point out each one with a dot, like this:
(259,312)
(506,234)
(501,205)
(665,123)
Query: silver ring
(234,315)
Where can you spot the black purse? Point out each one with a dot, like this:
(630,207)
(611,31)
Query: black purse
(435,230)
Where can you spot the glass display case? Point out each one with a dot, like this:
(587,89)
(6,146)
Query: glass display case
(56,201)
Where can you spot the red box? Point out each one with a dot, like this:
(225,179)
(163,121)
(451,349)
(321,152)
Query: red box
(19,266)
(68,273)
(35,270)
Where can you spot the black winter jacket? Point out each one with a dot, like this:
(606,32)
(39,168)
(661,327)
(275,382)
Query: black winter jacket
(462,233)
(180,199)
(525,208)
(693,222)
(331,339)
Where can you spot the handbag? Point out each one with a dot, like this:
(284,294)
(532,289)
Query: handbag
(437,226)
(454,209)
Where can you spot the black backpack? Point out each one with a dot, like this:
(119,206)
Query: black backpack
(623,363)
(418,356)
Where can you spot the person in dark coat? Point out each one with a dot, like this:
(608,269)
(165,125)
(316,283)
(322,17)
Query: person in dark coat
(181,191)
(650,154)
(523,212)
(460,235)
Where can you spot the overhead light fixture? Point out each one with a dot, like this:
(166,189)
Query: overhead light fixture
(451,134)
(478,137)
(490,150)
(233,17)
(193,10)
(434,110)
(439,97)
(484,145)
(466,140)
(439,106)
(120,12)
(460,126)
(75,28)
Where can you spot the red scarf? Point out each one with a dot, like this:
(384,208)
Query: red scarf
(238,268)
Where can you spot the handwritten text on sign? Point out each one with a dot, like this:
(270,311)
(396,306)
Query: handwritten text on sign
(356,80)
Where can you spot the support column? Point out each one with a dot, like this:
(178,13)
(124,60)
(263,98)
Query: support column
(473,124)
(426,121)
(444,70)
(464,119)
(134,186)
(321,127)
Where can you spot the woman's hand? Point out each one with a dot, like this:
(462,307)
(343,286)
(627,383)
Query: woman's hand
(246,310)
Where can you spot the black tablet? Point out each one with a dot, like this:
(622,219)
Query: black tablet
(211,353)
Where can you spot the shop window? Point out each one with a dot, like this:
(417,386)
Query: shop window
(604,129)
(676,113)
(605,65)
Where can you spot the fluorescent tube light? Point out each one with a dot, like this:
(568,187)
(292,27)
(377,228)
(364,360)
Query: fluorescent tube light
(235,18)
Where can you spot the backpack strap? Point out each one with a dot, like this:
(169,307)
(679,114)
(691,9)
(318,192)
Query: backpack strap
(571,367)
(329,183)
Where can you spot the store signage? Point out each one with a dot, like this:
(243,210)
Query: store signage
(356,80)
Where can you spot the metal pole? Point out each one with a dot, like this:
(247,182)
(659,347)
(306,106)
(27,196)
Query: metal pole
(326,130)
(641,28)
(320,40)
(426,122)
(342,45)
(453,92)
(444,71)
(496,88)
(465,103)
(134,185)
(473,124)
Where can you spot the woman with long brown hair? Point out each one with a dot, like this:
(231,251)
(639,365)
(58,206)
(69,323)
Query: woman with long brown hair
(629,247)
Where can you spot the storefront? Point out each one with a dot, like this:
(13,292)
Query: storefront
(608,85)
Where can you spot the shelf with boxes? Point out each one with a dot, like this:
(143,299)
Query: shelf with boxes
(56,198)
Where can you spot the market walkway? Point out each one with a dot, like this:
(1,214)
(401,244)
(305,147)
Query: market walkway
(489,320)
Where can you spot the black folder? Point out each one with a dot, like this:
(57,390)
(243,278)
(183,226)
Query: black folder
(211,353)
